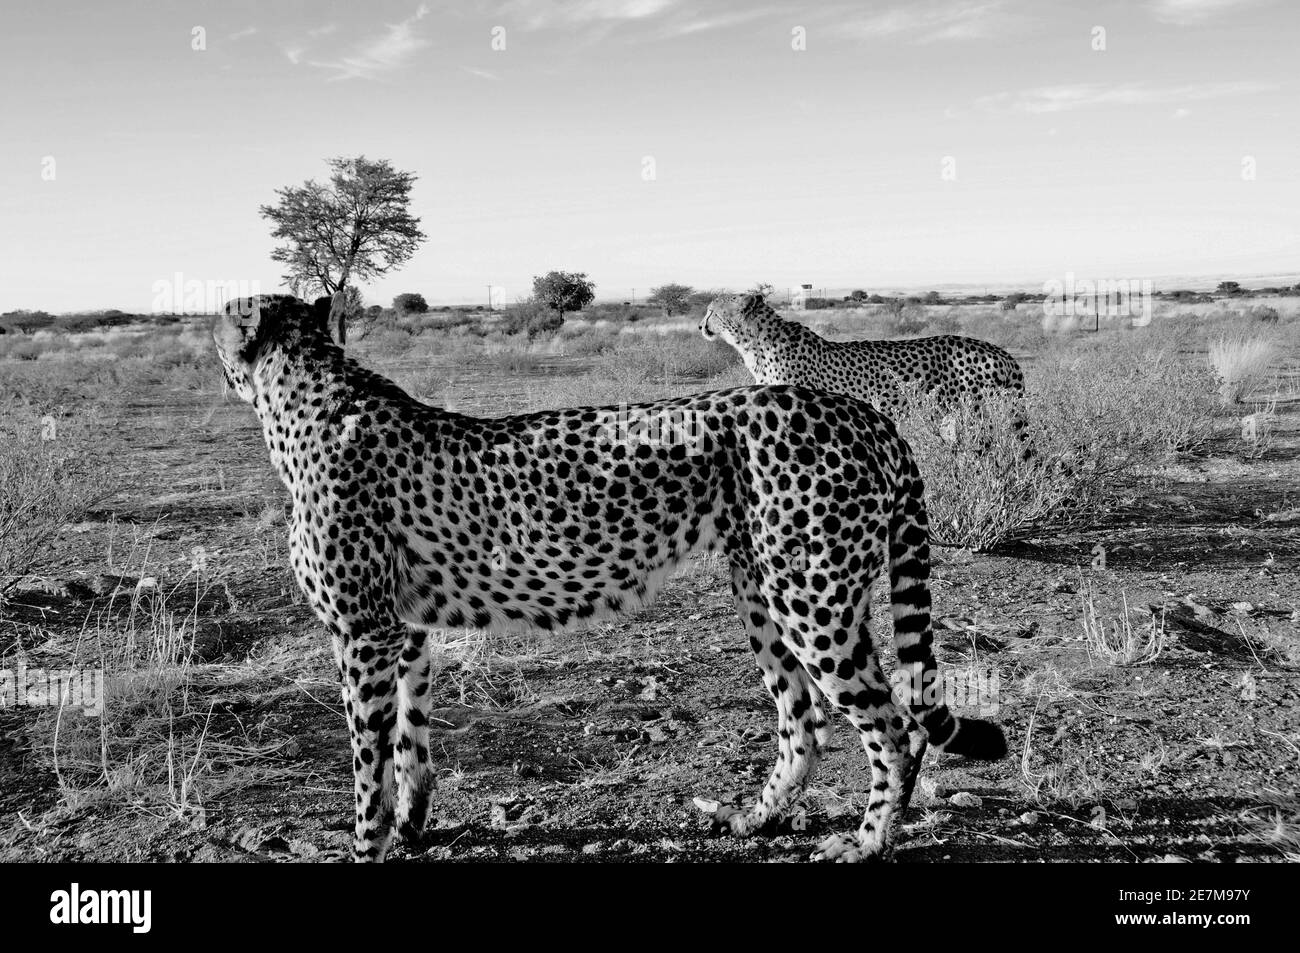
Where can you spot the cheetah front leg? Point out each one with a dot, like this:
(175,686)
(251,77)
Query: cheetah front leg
(412,770)
(368,668)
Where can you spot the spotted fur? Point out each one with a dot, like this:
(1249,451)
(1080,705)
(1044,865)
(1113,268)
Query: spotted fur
(407,517)
(948,367)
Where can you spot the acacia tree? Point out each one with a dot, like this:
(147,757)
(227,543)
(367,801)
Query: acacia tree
(564,291)
(673,298)
(355,227)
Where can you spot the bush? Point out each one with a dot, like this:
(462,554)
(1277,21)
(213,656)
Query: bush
(1095,427)
(410,303)
(911,320)
(531,317)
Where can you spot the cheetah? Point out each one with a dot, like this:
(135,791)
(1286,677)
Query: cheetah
(407,518)
(948,367)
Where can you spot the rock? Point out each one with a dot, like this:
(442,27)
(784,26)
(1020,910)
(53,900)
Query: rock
(1030,818)
(965,799)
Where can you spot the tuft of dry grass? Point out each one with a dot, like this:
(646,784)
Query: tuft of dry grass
(1240,363)
(1118,641)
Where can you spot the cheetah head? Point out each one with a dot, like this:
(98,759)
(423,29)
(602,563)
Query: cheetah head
(251,327)
(739,318)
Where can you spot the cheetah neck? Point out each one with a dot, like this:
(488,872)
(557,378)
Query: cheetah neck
(296,396)
(789,351)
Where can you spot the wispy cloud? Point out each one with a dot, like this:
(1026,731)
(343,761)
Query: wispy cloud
(1053,99)
(1192,12)
(373,57)
(481,73)
(934,21)
(703,22)
(551,14)
(240,34)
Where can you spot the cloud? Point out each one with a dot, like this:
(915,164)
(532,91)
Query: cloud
(687,26)
(381,54)
(481,73)
(553,14)
(931,22)
(1192,12)
(239,35)
(294,52)
(1053,99)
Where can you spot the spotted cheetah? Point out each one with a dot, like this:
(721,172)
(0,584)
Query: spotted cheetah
(406,517)
(948,367)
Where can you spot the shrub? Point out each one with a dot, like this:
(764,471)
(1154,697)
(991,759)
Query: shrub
(531,317)
(1095,426)
(410,303)
(1010,302)
(1240,363)
(911,320)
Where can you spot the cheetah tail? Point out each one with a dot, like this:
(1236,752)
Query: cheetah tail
(917,683)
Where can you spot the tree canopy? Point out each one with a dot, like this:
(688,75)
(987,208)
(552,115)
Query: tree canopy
(355,227)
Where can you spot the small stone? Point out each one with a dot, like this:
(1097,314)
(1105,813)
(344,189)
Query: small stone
(965,799)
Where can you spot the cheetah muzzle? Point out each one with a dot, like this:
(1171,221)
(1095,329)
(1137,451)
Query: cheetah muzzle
(407,517)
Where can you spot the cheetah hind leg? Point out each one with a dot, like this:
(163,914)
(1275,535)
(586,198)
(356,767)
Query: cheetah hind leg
(413,772)
(802,726)
(892,763)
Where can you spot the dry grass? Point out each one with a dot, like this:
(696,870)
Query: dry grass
(1096,424)
(51,470)
(1240,363)
(1118,641)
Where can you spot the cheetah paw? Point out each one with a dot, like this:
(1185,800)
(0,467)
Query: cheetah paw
(846,849)
(730,819)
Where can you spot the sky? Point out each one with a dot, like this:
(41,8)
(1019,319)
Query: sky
(874,145)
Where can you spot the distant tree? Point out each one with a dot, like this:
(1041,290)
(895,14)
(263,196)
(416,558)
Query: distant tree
(410,303)
(858,295)
(355,227)
(933,297)
(1229,288)
(1010,301)
(673,298)
(564,291)
(762,288)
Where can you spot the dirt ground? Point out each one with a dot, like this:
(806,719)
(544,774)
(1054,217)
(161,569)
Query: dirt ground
(591,746)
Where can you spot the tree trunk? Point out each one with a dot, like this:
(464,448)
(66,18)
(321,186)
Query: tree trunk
(337,308)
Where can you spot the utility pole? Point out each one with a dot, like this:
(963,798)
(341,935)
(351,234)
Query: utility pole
(489,288)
